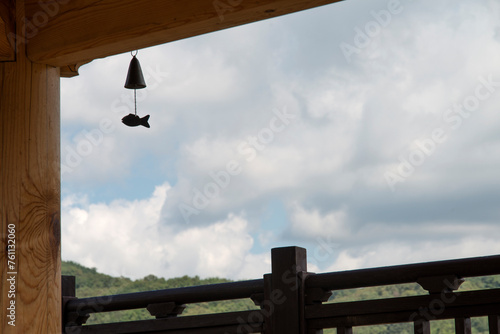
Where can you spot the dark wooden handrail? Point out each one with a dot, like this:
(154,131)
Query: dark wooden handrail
(193,294)
(408,273)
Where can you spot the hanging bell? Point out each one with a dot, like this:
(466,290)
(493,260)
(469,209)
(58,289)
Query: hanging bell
(135,79)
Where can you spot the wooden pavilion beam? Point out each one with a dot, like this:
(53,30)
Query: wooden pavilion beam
(63,32)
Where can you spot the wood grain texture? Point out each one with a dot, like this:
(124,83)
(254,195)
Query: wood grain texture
(30,191)
(80,31)
(7,30)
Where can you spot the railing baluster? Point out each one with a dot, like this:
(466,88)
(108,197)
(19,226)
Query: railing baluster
(494,324)
(422,327)
(463,326)
(344,330)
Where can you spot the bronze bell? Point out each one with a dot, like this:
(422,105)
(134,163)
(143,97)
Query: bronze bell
(135,79)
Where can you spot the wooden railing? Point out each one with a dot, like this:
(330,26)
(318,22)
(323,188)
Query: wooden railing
(292,301)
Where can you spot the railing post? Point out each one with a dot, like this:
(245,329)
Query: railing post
(288,315)
(68,292)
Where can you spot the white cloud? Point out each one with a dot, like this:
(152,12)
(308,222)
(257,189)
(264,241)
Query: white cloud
(312,224)
(353,123)
(118,238)
(221,249)
(125,238)
(396,253)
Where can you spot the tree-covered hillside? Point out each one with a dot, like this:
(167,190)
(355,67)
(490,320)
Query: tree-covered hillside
(90,283)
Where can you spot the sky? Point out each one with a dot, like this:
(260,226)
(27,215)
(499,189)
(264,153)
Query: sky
(367,132)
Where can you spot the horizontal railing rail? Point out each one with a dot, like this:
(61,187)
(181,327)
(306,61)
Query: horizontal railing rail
(220,323)
(420,309)
(185,295)
(408,273)
(292,300)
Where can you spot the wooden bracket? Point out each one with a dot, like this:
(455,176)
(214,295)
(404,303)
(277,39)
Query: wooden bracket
(76,318)
(257,298)
(72,319)
(165,310)
(317,296)
(314,295)
(438,284)
(71,70)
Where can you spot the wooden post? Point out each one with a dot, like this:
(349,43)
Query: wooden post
(68,286)
(68,292)
(287,262)
(29,194)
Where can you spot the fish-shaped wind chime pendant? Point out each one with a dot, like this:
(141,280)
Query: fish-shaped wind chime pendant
(135,80)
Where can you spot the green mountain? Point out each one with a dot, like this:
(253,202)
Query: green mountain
(90,283)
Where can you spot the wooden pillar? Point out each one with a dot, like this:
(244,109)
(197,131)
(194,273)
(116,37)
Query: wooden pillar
(29,194)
